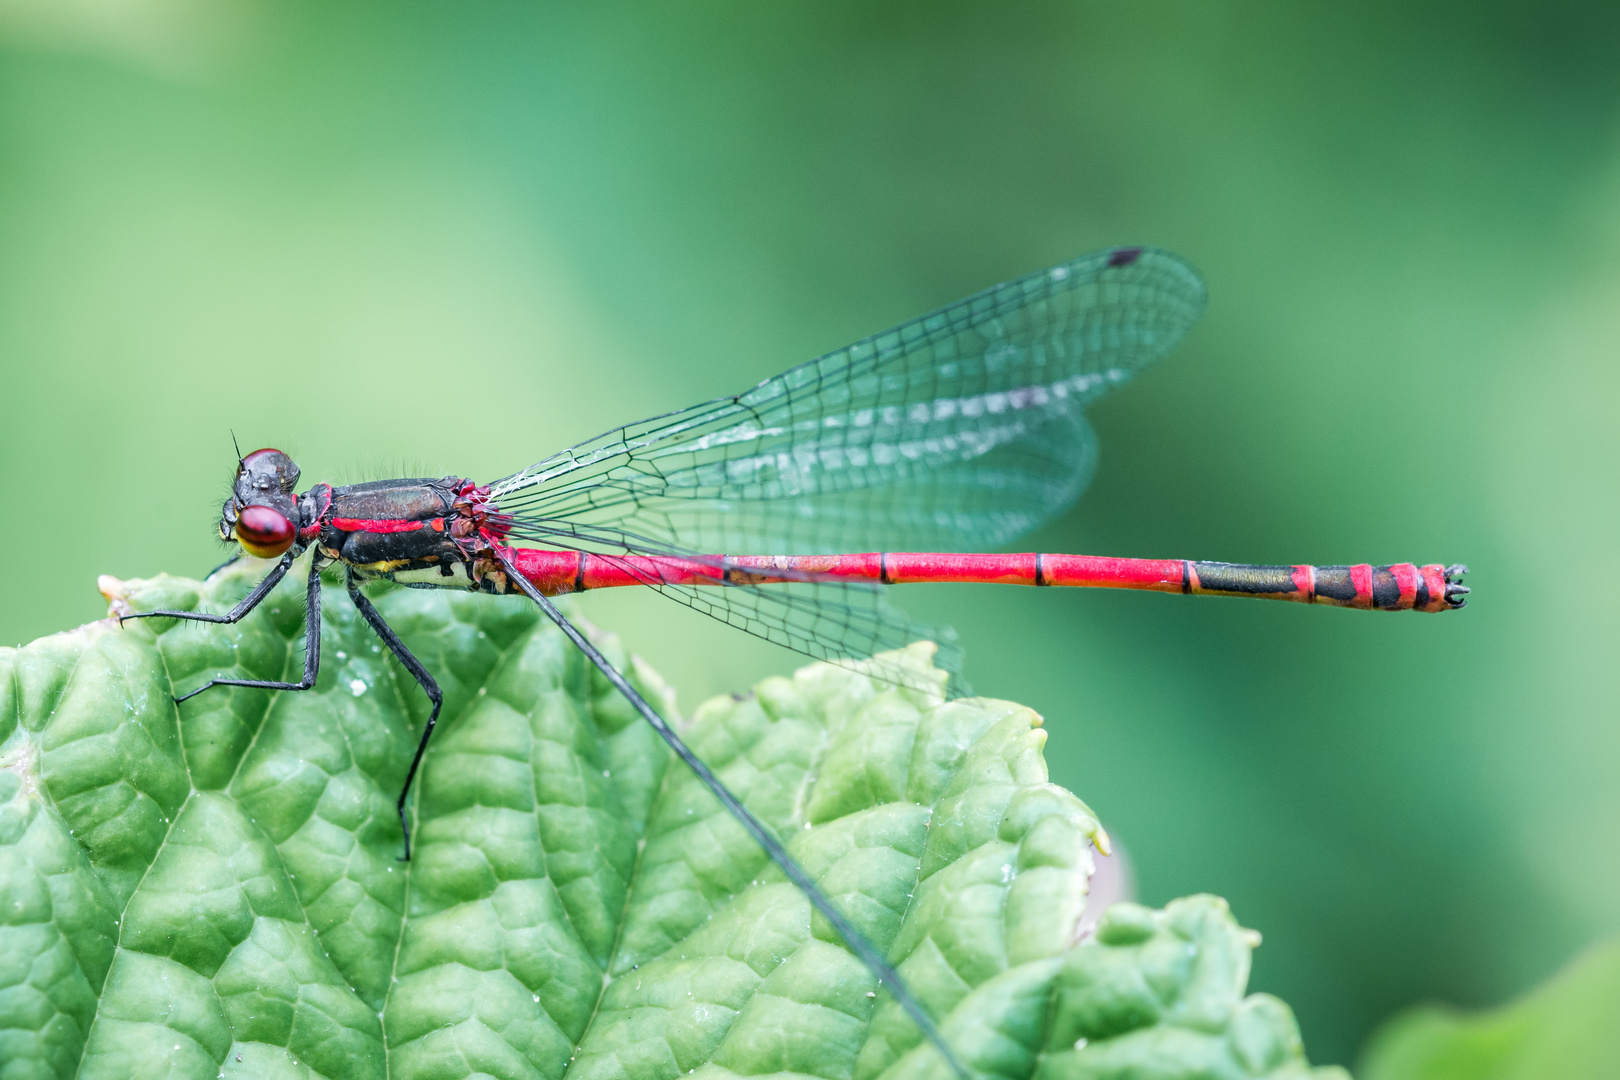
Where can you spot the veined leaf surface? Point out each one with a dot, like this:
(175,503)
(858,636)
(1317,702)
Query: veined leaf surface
(215,889)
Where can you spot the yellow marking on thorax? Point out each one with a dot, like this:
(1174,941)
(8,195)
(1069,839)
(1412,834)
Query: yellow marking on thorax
(386,566)
(432,575)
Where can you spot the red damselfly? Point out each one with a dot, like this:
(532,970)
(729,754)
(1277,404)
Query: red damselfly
(955,431)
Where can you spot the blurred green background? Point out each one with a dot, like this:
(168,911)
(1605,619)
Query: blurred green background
(453,238)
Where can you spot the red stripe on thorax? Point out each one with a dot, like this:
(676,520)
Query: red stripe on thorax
(378,525)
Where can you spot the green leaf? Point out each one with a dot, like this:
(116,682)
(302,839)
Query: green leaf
(215,889)
(1565,1029)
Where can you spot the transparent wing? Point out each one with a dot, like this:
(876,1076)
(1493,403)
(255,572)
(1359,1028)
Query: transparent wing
(958,430)
(822,617)
(840,622)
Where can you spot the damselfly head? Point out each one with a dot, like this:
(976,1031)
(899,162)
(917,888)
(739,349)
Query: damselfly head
(261,510)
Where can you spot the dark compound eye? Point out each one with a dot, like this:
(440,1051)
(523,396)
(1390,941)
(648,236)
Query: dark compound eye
(264,532)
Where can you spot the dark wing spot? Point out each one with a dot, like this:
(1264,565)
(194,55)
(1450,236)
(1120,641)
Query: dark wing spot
(1124,256)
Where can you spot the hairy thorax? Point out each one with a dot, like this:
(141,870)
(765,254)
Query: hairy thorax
(421,532)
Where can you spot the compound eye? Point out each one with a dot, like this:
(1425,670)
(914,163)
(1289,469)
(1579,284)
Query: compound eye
(264,532)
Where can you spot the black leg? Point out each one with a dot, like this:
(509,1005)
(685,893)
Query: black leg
(863,949)
(223,565)
(312,633)
(423,679)
(249,602)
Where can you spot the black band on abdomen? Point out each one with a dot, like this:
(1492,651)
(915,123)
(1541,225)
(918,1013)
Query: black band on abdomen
(1244,579)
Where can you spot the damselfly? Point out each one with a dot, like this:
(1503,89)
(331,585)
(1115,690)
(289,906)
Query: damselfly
(956,431)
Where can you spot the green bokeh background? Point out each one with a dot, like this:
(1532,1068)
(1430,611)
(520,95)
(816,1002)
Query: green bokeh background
(452,238)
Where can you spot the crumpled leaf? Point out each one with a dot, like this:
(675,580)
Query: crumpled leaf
(214,889)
